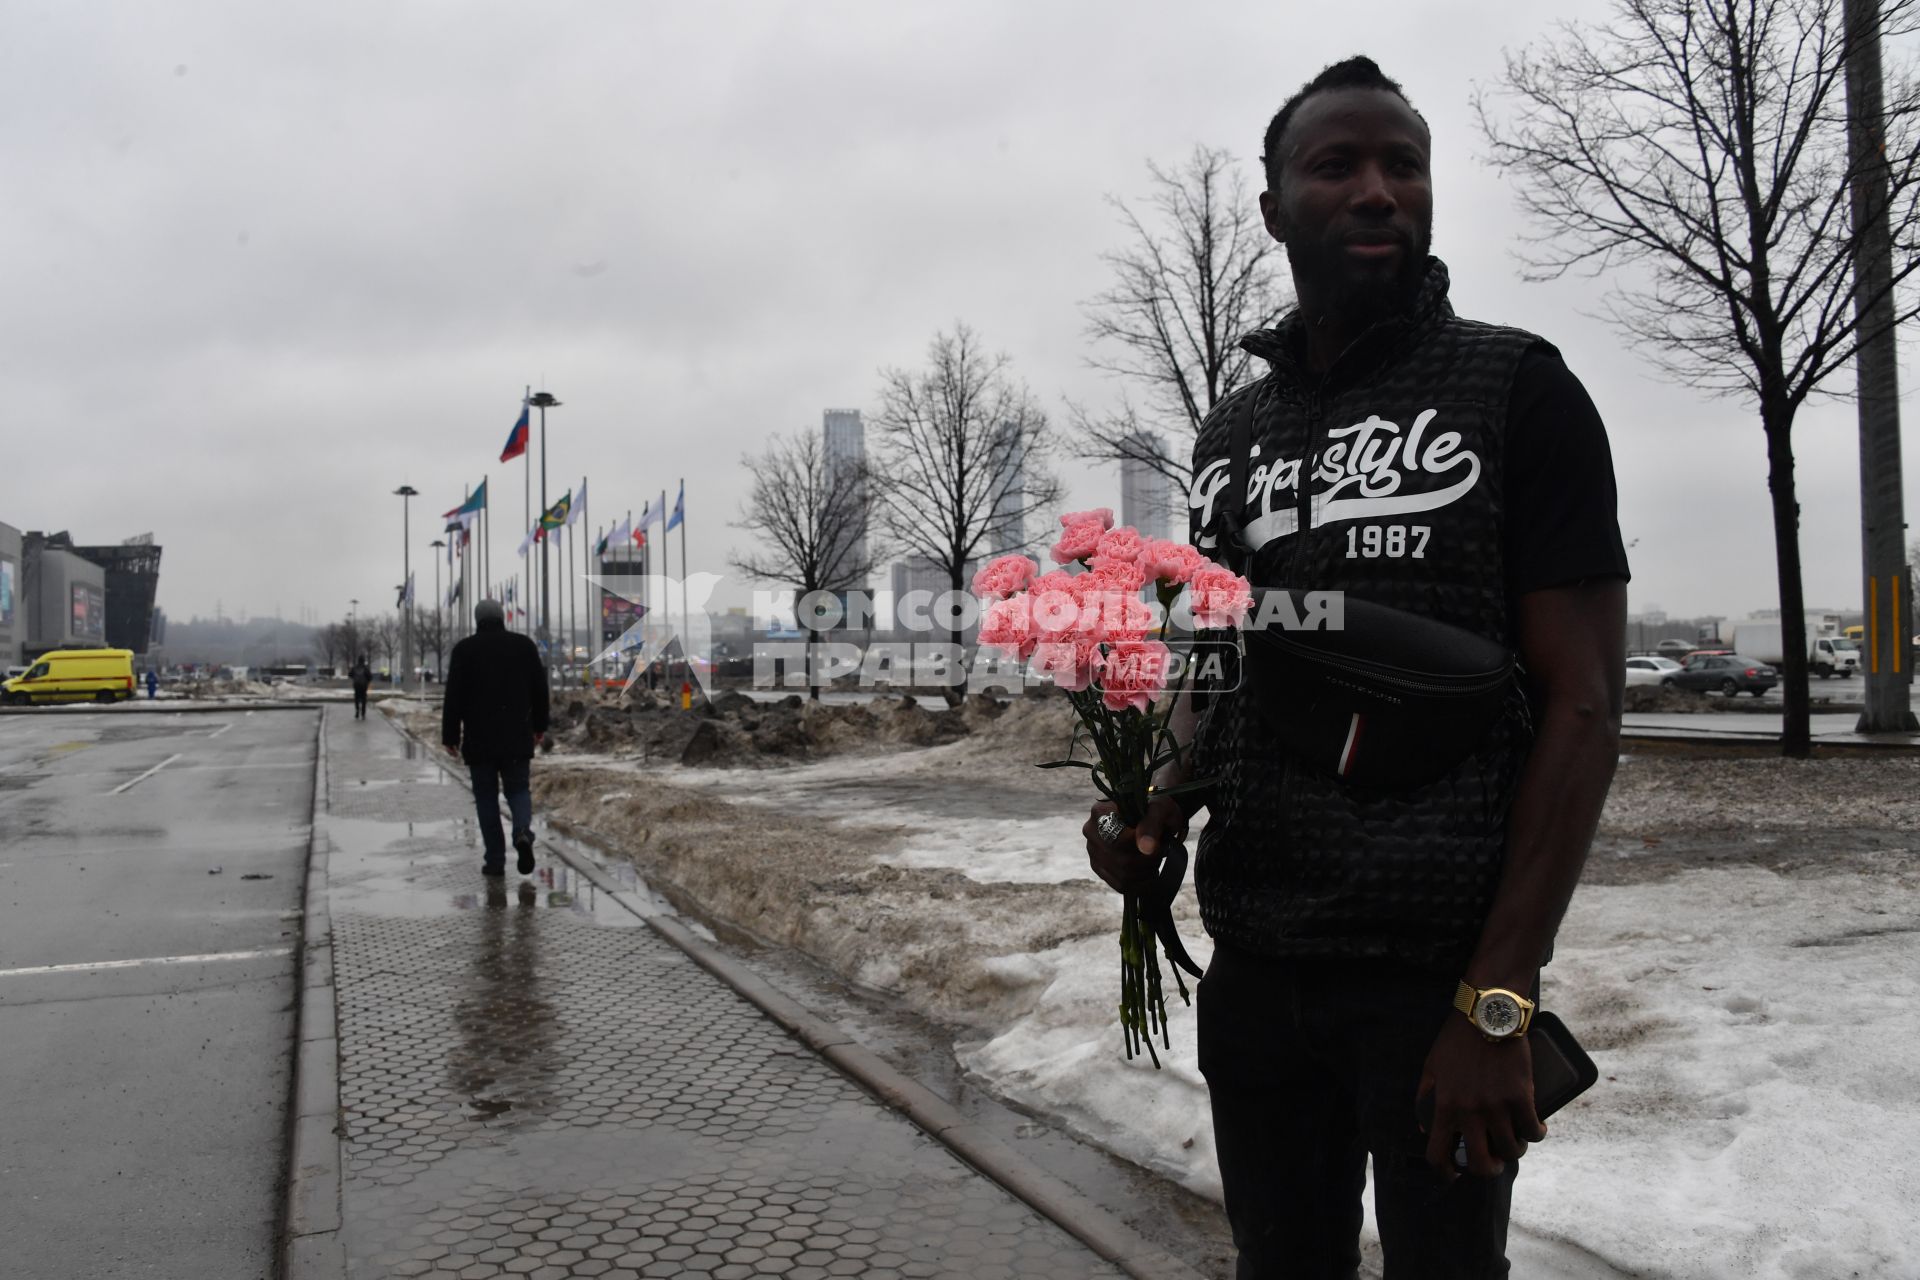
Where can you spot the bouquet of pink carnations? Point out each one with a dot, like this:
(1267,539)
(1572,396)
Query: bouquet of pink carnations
(1103,642)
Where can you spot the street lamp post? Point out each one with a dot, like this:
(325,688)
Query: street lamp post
(543,401)
(439,635)
(406,493)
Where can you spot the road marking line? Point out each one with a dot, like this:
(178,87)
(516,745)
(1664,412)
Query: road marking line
(222,729)
(270,952)
(126,786)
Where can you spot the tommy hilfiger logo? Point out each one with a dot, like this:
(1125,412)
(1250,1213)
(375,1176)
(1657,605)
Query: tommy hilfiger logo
(1367,471)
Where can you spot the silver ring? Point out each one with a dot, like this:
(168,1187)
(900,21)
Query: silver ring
(1111,828)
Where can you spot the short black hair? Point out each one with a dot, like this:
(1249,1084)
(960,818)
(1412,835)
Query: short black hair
(1357,72)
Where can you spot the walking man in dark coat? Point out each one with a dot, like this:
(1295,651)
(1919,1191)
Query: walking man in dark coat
(362,676)
(494,715)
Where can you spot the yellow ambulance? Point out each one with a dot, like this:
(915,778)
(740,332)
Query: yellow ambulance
(74,675)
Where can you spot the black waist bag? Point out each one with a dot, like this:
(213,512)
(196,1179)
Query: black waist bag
(1388,701)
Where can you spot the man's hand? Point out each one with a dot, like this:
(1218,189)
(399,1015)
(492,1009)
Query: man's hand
(1128,864)
(539,738)
(1483,1092)
(453,749)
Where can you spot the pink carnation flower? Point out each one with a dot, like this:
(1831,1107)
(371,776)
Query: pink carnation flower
(1102,516)
(1078,542)
(1071,662)
(1113,611)
(1219,597)
(1054,603)
(1133,673)
(1007,625)
(1117,575)
(1173,563)
(1004,577)
(1117,547)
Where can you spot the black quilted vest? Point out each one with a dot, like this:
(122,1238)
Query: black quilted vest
(1404,442)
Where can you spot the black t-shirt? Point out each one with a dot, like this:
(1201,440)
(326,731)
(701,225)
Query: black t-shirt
(1561,525)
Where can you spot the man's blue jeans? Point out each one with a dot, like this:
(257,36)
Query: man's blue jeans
(515,778)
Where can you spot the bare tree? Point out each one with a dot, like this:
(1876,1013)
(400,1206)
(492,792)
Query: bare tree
(382,635)
(1703,146)
(353,640)
(430,637)
(326,644)
(1198,273)
(809,513)
(960,468)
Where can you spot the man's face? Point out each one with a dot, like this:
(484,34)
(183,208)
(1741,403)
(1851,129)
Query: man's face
(1354,204)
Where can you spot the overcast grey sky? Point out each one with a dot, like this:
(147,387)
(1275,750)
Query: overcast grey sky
(268,262)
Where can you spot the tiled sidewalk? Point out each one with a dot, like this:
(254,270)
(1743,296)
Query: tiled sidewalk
(533,1083)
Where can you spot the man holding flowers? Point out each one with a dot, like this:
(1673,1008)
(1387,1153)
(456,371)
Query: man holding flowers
(1451,470)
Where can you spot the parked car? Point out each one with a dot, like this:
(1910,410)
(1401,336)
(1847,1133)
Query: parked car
(1675,649)
(74,675)
(1649,670)
(1727,673)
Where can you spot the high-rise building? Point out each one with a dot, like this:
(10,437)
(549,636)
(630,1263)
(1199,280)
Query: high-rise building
(1009,531)
(919,573)
(845,438)
(1147,497)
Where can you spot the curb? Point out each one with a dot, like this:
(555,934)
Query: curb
(313,1249)
(1905,745)
(154,709)
(1107,1236)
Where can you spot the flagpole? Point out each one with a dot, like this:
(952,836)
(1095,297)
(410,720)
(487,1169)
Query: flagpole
(666,596)
(686,616)
(567,595)
(576,548)
(595,617)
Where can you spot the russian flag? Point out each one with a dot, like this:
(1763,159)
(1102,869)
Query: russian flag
(517,442)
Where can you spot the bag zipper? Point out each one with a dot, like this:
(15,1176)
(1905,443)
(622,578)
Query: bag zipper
(1398,677)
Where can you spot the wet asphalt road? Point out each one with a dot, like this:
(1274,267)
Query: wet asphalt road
(145,1083)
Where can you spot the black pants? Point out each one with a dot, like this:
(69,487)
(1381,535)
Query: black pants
(359,704)
(1313,1066)
(490,779)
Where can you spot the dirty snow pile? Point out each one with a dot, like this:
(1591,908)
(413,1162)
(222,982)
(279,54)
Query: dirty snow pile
(734,729)
(1756,1020)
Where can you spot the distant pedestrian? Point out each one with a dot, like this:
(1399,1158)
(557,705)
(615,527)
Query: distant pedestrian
(153,684)
(494,715)
(362,676)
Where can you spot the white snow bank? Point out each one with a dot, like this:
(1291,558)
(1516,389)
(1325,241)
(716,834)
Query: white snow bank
(1758,1036)
(1755,1119)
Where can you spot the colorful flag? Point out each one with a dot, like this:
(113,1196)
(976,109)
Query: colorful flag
(556,515)
(679,508)
(474,505)
(517,438)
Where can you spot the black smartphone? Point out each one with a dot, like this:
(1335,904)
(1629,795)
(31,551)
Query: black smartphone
(1562,1071)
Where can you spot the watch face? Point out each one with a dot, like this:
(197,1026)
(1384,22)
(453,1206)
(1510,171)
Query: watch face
(1497,1014)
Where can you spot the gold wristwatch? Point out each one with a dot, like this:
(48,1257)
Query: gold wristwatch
(1499,1014)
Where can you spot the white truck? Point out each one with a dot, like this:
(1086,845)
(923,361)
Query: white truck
(1826,655)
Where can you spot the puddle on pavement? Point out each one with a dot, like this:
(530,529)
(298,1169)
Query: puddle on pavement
(423,869)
